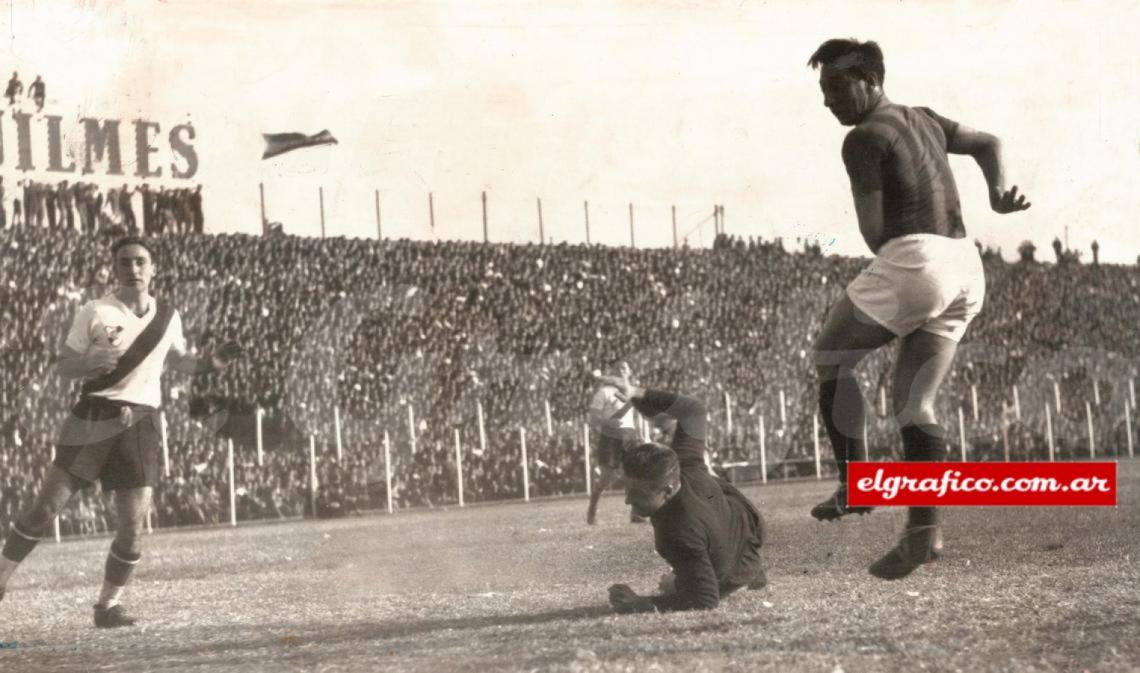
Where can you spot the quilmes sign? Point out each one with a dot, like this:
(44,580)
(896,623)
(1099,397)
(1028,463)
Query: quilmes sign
(96,146)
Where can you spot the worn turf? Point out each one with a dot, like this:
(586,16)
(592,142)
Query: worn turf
(522,587)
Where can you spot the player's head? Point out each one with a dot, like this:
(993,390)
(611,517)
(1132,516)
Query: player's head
(851,75)
(133,261)
(652,477)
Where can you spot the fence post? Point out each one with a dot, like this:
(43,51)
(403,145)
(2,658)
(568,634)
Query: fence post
(459,466)
(313,475)
(165,444)
(260,440)
(230,477)
(783,410)
(1016,402)
(1057,395)
(763,453)
(412,428)
(55,521)
(815,444)
(482,431)
(1092,438)
(525,468)
(728,413)
(586,452)
(1096,391)
(1049,432)
(1128,426)
(962,433)
(388,469)
(549,422)
(974,400)
(336,428)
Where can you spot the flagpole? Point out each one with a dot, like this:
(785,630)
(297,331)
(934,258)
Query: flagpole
(261,190)
(674,227)
(586,208)
(321,194)
(631,243)
(541,231)
(379,230)
(484,217)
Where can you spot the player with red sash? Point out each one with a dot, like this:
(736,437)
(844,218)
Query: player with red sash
(118,345)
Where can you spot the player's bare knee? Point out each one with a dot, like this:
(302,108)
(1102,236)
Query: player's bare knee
(129,539)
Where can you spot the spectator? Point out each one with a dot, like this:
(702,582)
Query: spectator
(15,88)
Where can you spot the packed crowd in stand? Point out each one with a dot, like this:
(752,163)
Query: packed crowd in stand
(407,339)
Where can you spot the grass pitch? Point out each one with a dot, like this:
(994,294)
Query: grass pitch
(522,587)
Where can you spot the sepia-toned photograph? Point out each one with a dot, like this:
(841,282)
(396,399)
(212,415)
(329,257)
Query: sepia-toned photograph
(569,337)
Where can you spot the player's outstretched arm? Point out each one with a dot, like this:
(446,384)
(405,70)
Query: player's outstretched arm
(985,148)
(188,363)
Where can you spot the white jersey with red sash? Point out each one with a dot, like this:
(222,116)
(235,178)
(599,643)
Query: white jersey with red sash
(108,324)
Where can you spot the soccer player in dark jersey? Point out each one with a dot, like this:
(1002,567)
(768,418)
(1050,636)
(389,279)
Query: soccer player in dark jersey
(703,527)
(118,345)
(924,285)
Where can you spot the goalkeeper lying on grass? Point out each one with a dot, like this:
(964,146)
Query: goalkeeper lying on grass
(702,526)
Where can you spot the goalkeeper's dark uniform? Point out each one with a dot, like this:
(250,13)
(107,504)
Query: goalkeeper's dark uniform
(709,532)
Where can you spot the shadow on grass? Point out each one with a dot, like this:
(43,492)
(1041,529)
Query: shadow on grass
(252,640)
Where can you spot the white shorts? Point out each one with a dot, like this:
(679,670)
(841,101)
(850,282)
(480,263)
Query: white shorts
(922,282)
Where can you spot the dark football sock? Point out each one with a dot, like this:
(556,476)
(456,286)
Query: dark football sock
(844,415)
(20,543)
(923,443)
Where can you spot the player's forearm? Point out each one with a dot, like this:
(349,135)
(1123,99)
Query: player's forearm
(74,367)
(188,363)
(988,157)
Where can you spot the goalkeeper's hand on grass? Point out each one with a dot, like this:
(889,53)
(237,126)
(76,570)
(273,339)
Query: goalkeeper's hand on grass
(624,600)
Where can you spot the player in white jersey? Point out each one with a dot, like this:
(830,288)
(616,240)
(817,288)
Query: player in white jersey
(612,430)
(118,345)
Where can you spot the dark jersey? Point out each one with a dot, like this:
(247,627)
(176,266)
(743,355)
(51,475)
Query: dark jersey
(902,151)
(709,532)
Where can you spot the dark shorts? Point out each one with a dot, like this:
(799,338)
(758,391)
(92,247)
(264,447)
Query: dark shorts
(97,443)
(608,455)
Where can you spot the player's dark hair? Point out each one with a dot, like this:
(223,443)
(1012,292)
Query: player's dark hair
(852,56)
(133,240)
(652,462)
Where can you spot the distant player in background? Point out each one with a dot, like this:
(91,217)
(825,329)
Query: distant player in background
(708,531)
(924,286)
(612,431)
(118,345)
(15,88)
(37,91)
